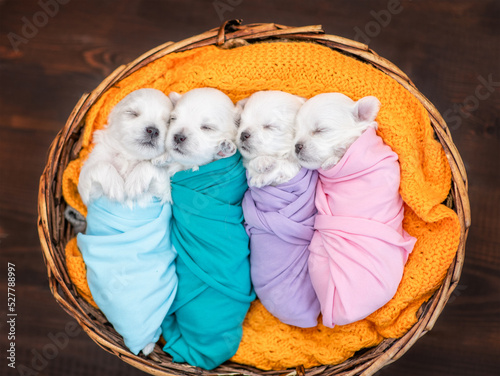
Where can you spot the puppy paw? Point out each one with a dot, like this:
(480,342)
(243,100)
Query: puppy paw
(281,178)
(167,198)
(163,192)
(105,180)
(84,191)
(226,148)
(263,164)
(135,188)
(173,168)
(330,162)
(285,171)
(87,187)
(139,179)
(256,181)
(162,161)
(115,190)
(148,349)
(261,180)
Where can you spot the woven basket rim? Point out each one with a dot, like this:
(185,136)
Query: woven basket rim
(54,231)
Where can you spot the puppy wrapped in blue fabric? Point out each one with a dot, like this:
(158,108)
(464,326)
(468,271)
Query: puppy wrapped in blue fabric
(127,247)
(204,326)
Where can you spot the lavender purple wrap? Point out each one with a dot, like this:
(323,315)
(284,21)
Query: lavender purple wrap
(280,223)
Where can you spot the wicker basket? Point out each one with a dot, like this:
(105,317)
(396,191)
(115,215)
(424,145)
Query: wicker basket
(54,230)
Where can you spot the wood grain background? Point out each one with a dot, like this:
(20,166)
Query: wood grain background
(450,49)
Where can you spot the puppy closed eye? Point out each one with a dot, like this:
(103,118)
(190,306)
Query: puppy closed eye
(207,127)
(318,131)
(132,113)
(269,126)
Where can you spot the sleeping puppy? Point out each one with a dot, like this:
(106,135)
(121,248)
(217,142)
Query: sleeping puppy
(202,128)
(119,167)
(128,218)
(359,247)
(328,124)
(214,291)
(266,136)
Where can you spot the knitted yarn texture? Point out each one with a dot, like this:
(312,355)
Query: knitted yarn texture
(307,69)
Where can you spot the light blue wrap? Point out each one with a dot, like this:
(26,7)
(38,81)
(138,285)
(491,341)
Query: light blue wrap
(130,267)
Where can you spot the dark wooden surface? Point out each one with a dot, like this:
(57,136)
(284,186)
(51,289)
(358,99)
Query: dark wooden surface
(448,48)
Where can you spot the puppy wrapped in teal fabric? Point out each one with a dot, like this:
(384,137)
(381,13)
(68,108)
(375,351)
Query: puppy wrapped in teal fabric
(130,267)
(204,325)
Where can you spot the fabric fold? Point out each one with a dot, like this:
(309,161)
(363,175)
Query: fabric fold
(359,248)
(130,267)
(279,220)
(204,325)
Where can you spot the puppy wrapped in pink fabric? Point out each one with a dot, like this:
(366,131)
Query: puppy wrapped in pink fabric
(359,248)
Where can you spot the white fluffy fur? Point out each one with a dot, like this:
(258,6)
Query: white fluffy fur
(119,166)
(202,128)
(328,124)
(266,136)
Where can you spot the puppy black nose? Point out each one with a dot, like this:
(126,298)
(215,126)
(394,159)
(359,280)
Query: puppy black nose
(179,138)
(298,148)
(153,132)
(244,136)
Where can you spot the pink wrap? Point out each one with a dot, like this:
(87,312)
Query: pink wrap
(359,248)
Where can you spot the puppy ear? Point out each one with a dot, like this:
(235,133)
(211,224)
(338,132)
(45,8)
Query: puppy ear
(238,109)
(301,99)
(174,97)
(366,109)
(226,148)
(240,105)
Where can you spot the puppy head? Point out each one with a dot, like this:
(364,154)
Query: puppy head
(139,123)
(202,127)
(328,124)
(266,125)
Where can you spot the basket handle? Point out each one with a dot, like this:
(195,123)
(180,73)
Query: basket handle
(227,26)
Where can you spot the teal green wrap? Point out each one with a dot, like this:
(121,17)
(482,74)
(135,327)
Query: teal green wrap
(204,325)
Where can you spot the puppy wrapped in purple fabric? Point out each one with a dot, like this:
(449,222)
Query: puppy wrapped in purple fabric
(279,220)
(278,207)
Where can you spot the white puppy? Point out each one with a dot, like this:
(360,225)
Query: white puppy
(202,128)
(266,136)
(119,166)
(328,124)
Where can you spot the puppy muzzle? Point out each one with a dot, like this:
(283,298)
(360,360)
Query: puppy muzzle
(179,141)
(179,138)
(244,136)
(244,142)
(302,153)
(152,132)
(298,148)
(150,137)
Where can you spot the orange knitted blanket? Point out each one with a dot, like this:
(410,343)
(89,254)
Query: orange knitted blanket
(308,69)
